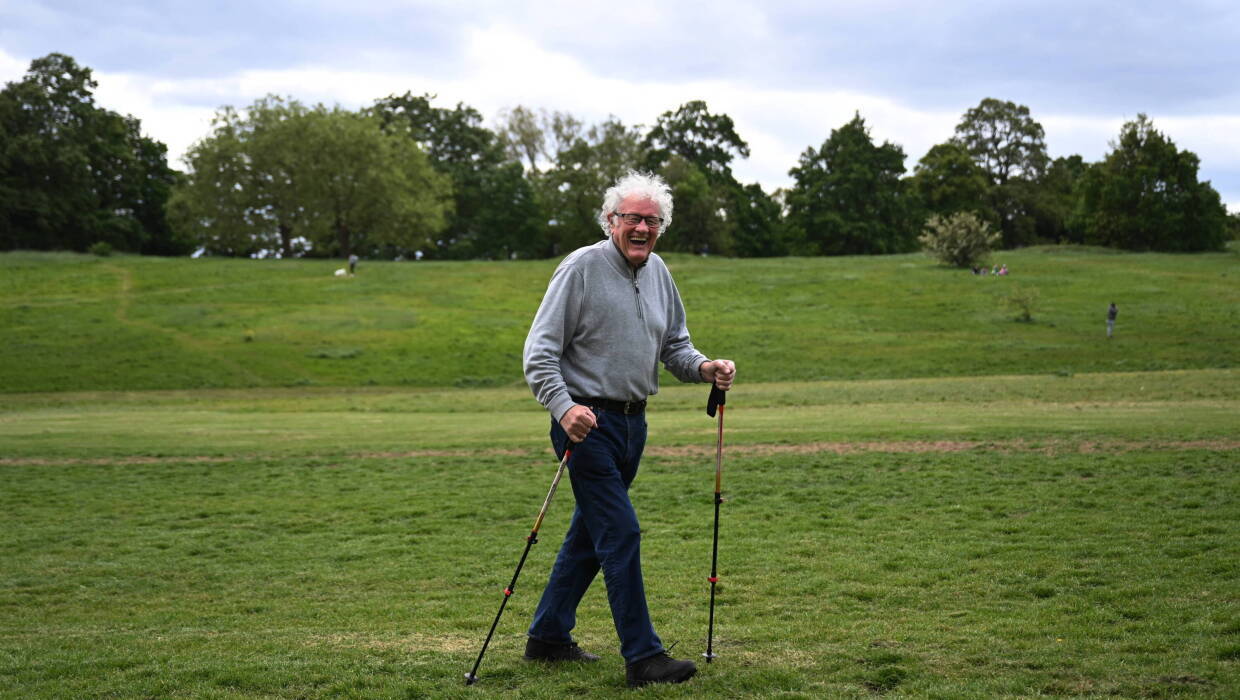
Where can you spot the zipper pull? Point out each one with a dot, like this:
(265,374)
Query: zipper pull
(637,290)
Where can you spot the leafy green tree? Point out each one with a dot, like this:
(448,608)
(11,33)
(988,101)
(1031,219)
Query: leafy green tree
(724,216)
(700,224)
(367,190)
(586,162)
(708,141)
(1004,139)
(757,223)
(849,199)
(1054,199)
(1008,144)
(283,174)
(72,173)
(1145,196)
(220,204)
(246,194)
(617,149)
(947,180)
(515,230)
(496,210)
(246,174)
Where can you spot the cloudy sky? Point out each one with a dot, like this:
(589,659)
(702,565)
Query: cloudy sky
(787,71)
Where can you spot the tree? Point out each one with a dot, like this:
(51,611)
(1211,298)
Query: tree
(310,180)
(496,210)
(522,136)
(700,224)
(947,180)
(1023,300)
(1054,199)
(723,216)
(758,226)
(708,141)
(220,203)
(1145,196)
(1006,142)
(586,162)
(848,198)
(246,176)
(1008,145)
(961,239)
(367,190)
(515,230)
(72,173)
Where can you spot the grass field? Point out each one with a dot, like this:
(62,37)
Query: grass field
(960,510)
(76,323)
(982,537)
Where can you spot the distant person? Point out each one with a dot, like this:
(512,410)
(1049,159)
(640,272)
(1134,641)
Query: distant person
(1003,269)
(352,263)
(994,270)
(1112,312)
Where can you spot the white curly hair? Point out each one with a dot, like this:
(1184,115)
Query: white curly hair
(637,184)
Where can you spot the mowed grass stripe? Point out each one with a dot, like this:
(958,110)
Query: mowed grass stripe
(210,433)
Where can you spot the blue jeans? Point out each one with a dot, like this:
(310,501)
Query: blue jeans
(603,533)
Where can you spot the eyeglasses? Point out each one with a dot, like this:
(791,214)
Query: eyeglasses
(652,222)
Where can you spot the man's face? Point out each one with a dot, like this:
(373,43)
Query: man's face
(635,241)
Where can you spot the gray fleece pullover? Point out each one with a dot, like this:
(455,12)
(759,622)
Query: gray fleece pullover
(602,329)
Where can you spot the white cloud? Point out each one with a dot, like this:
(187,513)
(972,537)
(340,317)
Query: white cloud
(11,67)
(160,105)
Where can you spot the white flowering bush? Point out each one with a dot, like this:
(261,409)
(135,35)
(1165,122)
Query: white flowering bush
(962,239)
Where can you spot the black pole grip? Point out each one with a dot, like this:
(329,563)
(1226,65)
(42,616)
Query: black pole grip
(718,397)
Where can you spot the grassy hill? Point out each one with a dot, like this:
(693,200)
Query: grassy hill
(75,323)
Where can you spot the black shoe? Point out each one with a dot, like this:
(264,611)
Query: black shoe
(538,650)
(659,668)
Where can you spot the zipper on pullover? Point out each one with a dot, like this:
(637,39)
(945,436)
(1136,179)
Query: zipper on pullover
(637,296)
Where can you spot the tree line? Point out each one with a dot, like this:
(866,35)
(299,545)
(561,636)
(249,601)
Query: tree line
(405,176)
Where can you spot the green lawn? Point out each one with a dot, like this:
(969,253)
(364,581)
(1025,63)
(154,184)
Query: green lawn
(1015,536)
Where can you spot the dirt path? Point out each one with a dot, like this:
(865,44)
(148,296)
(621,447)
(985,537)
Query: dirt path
(1046,447)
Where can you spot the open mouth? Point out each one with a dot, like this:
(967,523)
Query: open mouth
(638,240)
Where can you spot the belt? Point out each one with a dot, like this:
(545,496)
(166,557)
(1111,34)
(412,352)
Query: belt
(628,408)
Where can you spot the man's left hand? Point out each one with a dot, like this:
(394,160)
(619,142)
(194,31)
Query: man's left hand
(720,372)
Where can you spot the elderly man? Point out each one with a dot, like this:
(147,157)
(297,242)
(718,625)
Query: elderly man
(610,315)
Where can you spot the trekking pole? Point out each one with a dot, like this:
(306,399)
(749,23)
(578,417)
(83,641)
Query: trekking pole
(472,676)
(717,399)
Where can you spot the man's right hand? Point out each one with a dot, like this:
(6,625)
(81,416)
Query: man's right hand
(578,421)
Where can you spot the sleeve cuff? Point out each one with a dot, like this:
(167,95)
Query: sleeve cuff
(560,405)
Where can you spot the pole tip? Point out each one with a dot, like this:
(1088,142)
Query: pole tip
(709,656)
(470,679)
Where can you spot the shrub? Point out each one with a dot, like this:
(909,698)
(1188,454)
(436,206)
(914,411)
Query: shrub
(1022,300)
(960,240)
(100,248)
